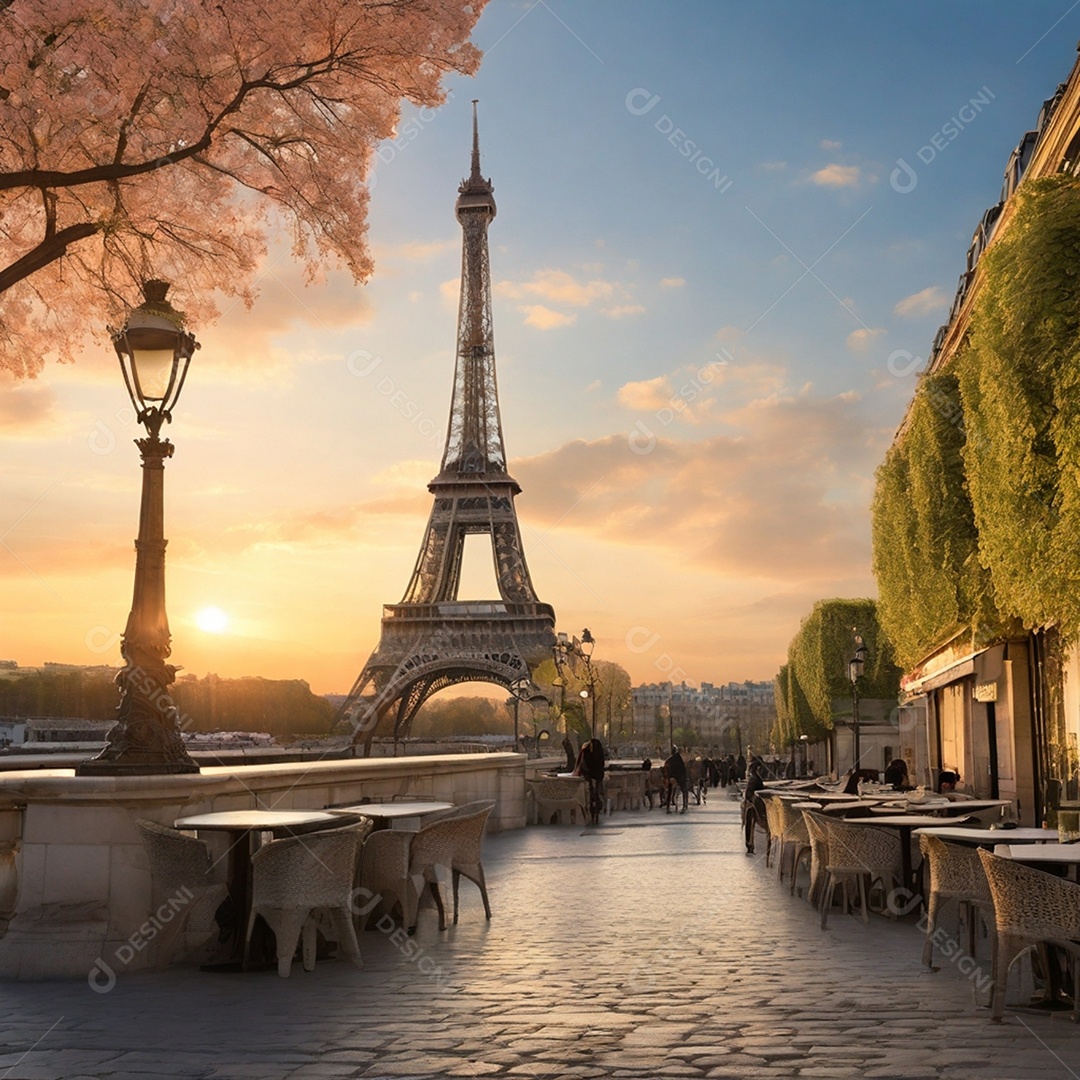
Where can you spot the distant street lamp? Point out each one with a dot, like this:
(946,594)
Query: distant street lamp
(520,689)
(566,652)
(154,351)
(856,665)
(805,740)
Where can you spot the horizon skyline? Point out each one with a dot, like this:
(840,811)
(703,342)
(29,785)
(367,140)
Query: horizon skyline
(704,348)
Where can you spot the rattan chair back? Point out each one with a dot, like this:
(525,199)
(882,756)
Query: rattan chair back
(1030,907)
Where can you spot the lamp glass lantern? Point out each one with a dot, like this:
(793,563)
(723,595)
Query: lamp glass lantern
(155,352)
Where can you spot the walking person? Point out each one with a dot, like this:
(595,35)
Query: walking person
(675,768)
(592,768)
(753,810)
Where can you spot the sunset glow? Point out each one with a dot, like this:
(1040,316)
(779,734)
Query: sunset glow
(710,305)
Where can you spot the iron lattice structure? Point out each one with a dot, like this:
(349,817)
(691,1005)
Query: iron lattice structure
(432,640)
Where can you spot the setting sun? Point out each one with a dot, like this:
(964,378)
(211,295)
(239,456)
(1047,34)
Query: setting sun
(212,620)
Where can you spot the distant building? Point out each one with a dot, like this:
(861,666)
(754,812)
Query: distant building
(713,711)
(12,731)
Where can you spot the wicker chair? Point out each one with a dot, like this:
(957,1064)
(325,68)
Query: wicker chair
(293,877)
(956,875)
(795,836)
(451,844)
(384,875)
(184,879)
(396,867)
(552,797)
(774,821)
(859,853)
(819,854)
(1031,908)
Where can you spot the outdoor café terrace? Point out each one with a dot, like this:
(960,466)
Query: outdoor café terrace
(648,946)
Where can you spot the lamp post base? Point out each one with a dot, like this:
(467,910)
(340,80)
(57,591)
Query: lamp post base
(146,738)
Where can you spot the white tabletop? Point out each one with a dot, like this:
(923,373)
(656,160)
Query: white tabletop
(1067,854)
(958,806)
(990,836)
(239,820)
(916,820)
(393,809)
(818,796)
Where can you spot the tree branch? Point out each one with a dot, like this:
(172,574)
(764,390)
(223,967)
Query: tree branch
(49,250)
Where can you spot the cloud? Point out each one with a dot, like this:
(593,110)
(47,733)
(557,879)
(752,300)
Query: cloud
(620,311)
(772,166)
(557,286)
(646,395)
(860,341)
(26,408)
(925,302)
(672,282)
(411,475)
(829,144)
(245,339)
(762,502)
(837,176)
(415,251)
(450,292)
(544,318)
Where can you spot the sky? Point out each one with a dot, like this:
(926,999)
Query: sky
(726,235)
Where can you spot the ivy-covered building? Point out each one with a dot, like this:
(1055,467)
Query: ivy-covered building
(816,698)
(976,515)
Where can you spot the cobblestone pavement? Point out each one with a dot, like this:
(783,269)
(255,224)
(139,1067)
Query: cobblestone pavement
(651,946)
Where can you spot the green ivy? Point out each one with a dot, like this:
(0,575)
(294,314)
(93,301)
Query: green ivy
(1020,384)
(817,667)
(931,583)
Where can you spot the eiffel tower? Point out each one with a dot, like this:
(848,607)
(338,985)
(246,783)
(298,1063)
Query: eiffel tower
(433,639)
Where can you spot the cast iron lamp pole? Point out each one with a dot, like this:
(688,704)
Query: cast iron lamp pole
(564,651)
(855,669)
(585,649)
(520,689)
(154,351)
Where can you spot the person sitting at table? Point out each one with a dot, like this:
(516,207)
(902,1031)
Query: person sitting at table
(855,777)
(947,781)
(896,774)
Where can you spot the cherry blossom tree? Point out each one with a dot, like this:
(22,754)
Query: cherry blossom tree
(171,138)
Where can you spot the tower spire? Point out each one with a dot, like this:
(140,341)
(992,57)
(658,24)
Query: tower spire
(475,175)
(474,439)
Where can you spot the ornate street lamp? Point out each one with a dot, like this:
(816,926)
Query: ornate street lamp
(856,665)
(566,652)
(521,690)
(155,351)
